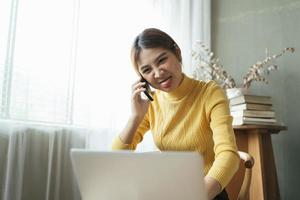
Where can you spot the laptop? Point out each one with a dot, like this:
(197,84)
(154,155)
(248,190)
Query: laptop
(128,175)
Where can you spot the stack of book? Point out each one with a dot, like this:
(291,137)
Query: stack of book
(252,109)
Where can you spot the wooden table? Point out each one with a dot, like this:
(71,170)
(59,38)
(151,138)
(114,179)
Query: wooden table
(256,140)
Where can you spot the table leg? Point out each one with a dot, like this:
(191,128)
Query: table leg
(255,148)
(258,143)
(270,169)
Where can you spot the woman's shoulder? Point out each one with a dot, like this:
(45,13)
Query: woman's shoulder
(212,85)
(207,86)
(210,89)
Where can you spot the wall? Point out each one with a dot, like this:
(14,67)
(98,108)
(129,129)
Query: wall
(241,31)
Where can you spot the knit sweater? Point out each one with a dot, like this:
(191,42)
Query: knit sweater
(193,117)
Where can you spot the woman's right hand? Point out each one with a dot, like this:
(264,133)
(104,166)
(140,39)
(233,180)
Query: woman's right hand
(139,106)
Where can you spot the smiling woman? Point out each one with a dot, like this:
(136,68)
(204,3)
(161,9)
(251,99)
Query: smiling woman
(157,58)
(165,78)
(185,114)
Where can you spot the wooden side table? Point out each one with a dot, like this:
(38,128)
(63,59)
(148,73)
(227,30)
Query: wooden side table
(256,140)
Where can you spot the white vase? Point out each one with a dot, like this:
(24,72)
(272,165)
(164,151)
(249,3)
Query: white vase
(235,92)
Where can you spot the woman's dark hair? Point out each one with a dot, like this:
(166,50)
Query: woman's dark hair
(152,38)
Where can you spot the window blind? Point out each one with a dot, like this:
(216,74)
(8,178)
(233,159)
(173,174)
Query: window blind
(41,62)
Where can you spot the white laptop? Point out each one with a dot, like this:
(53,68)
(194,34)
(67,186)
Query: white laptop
(128,175)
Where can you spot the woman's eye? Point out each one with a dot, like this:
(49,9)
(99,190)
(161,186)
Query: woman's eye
(146,71)
(161,60)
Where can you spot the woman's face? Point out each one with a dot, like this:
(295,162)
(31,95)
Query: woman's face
(161,68)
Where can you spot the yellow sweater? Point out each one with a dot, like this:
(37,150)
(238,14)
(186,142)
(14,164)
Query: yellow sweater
(193,117)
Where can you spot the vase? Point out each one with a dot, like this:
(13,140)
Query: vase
(235,92)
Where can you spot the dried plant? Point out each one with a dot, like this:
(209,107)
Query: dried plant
(208,68)
(258,71)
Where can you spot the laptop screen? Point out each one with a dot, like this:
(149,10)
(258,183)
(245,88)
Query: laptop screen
(116,175)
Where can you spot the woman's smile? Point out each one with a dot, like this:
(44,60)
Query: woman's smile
(166,83)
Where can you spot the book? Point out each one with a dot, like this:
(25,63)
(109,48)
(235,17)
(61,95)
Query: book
(253,120)
(253,113)
(251,99)
(251,106)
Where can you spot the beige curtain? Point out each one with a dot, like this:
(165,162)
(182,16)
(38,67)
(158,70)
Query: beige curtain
(35,162)
(187,21)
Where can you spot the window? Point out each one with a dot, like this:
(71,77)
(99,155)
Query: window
(68,62)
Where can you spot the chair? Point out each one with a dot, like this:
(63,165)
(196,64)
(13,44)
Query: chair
(238,188)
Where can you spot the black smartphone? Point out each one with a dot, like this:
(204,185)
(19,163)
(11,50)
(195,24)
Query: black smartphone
(148,91)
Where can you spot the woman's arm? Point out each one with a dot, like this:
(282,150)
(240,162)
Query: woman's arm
(131,135)
(129,131)
(137,124)
(227,159)
(213,187)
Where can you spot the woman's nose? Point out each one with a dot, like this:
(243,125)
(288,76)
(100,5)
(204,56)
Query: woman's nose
(158,72)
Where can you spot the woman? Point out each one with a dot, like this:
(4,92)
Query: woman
(185,115)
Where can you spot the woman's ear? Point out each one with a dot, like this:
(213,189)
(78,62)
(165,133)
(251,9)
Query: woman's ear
(178,54)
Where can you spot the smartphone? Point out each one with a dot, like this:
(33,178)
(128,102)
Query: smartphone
(148,91)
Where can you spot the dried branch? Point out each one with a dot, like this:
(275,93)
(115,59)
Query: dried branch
(207,67)
(258,71)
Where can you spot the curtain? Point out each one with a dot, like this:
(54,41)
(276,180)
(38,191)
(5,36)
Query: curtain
(35,161)
(65,82)
(187,22)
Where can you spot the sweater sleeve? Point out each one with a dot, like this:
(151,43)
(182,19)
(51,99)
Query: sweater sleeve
(144,126)
(227,160)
